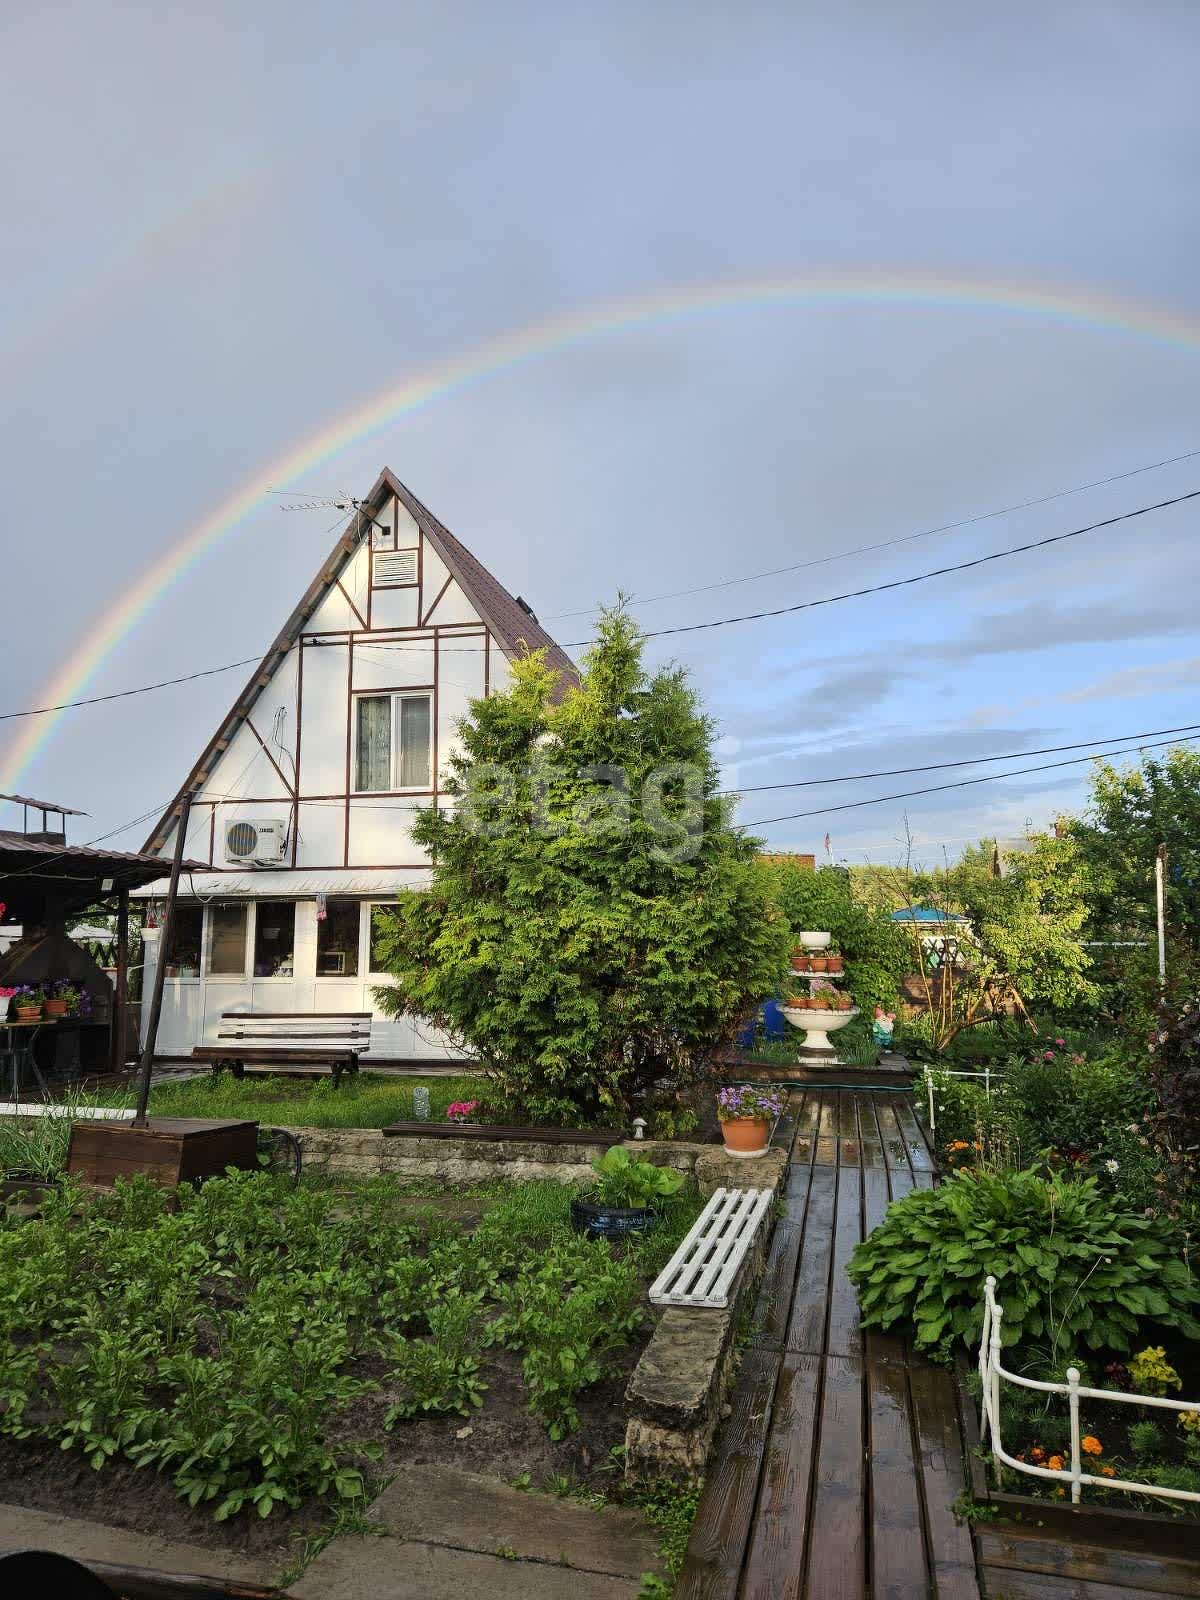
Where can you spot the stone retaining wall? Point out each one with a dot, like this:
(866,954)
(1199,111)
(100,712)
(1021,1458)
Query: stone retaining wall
(466,1161)
(678,1388)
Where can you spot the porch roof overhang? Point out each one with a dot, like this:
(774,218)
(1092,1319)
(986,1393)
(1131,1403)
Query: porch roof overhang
(291,885)
(34,871)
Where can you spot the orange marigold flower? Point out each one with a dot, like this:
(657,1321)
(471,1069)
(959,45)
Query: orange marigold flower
(958,1144)
(1038,1453)
(1108,1472)
(1091,1445)
(1060,1493)
(1055,1463)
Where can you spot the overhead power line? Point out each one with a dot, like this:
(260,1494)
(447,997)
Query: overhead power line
(889,544)
(966,761)
(662,633)
(918,577)
(961,783)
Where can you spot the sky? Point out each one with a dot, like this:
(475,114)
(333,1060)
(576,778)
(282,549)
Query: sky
(235,225)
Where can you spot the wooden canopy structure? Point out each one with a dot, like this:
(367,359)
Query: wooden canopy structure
(44,884)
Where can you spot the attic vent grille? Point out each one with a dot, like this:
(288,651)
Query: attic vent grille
(395,567)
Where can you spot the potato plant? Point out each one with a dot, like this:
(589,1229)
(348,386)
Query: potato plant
(225,1336)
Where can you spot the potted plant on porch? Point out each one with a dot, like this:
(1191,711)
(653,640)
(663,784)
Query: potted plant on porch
(27,1002)
(623,1199)
(747,1112)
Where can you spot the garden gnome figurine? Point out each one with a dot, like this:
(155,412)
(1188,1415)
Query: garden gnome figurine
(881,1031)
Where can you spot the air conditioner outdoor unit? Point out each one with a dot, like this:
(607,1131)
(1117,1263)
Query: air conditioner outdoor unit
(258,841)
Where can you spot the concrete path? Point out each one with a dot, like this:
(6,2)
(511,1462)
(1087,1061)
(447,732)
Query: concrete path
(97,1546)
(446,1535)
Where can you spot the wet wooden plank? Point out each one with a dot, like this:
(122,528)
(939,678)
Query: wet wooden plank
(1029,1552)
(837,1546)
(844,1330)
(899,1567)
(918,1146)
(806,1325)
(768,1323)
(895,1145)
(869,1144)
(847,1119)
(1003,1583)
(827,1126)
(721,1531)
(943,1479)
(778,1544)
(808,1113)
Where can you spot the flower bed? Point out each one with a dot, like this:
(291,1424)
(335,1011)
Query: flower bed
(225,1364)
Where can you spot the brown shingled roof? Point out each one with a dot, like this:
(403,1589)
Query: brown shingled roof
(518,630)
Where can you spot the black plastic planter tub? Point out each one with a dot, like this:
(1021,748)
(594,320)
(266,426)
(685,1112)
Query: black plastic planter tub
(610,1222)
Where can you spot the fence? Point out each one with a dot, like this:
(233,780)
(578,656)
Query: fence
(989,1078)
(992,1372)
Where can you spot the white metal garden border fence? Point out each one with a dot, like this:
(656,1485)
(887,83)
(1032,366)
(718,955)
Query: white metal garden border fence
(992,1371)
(989,1078)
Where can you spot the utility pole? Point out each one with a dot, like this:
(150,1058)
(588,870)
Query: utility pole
(160,970)
(1160,896)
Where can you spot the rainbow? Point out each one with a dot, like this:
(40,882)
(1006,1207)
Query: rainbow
(509,350)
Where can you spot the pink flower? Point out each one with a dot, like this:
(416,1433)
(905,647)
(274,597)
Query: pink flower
(1060,1043)
(1049,1056)
(460,1110)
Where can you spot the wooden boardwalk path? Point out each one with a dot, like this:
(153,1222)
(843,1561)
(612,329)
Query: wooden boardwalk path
(835,1477)
(838,1470)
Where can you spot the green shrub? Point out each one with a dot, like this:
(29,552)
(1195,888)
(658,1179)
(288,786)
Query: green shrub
(1071,1272)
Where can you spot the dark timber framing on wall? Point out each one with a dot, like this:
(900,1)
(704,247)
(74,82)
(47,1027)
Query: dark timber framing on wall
(501,619)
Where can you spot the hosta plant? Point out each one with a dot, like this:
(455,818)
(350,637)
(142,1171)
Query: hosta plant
(1071,1272)
(627,1180)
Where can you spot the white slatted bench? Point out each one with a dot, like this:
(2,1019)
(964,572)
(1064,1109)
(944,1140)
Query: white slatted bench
(702,1270)
(308,1044)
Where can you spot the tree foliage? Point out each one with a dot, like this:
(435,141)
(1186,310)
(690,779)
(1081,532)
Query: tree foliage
(594,924)
(1131,811)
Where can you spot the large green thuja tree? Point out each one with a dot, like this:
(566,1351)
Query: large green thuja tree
(595,924)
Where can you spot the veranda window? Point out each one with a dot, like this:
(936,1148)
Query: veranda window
(337,940)
(183,957)
(393,742)
(274,938)
(227,941)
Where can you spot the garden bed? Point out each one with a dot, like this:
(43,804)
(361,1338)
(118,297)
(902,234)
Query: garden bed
(256,1345)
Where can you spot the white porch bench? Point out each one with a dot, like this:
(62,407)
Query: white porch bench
(308,1044)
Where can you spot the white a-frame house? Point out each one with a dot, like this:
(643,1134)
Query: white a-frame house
(303,798)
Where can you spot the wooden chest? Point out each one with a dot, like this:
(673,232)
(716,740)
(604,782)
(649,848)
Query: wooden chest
(169,1150)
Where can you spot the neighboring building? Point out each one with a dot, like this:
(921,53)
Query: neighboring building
(304,796)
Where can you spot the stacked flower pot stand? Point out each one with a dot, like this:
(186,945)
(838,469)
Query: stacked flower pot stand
(813,963)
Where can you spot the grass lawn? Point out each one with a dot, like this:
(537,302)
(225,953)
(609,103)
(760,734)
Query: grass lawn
(365,1100)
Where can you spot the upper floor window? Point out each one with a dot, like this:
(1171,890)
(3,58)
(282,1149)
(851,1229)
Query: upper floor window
(392,742)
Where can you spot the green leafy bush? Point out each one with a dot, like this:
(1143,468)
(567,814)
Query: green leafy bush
(1071,1272)
(626,1180)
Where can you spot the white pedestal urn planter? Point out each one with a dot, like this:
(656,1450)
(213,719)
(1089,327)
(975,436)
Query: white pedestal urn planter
(817,1023)
(817,1026)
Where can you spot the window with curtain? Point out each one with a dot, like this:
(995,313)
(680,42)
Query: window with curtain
(393,742)
(373,768)
(227,941)
(337,940)
(183,958)
(274,938)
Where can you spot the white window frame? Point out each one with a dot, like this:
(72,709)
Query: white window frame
(395,695)
(338,977)
(247,951)
(369,972)
(252,941)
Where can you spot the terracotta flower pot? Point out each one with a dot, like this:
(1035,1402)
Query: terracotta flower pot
(29,1013)
(820,963)
(746,1136)
(55,1008)
(801,963)
(833,963)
